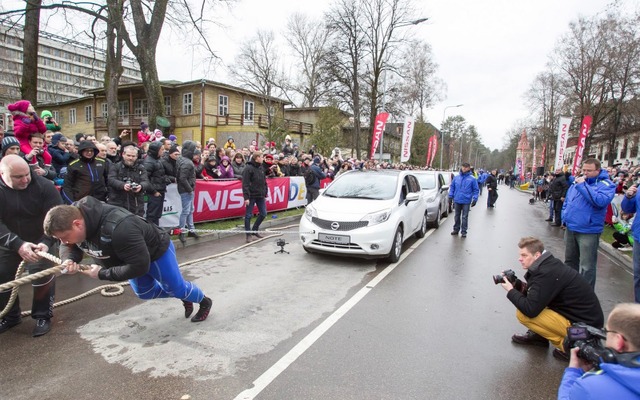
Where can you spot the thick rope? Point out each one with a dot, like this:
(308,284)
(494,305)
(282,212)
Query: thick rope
(114,289)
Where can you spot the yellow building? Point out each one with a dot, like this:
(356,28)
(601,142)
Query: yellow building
(196,110)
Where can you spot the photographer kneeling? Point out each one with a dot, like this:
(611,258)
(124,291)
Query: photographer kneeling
(553,297)
(619,374)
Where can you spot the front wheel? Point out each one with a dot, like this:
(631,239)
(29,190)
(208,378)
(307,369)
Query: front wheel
(423,228)
(396,246)
(436,222)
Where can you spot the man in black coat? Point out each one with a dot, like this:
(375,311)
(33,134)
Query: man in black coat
(558,190)
(25,199)
(553,297)
(254,191)
(125,247)
(128,182)
(158,181)
(86,176)
(492,189)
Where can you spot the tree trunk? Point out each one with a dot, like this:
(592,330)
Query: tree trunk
(151,83)
(29,84)
(113,70)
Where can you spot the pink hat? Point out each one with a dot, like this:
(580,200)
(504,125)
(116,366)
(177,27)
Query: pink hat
(20,106)
(157,133)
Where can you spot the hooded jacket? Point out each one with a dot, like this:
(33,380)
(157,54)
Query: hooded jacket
(185,169)
(238,168)
(23,211)
(464,188)
(585,204)
(85,176)
(59,157)
(158,180)
(254,182)
(558,187)
(613,381)
(226,173)
(121,174)
(124,244)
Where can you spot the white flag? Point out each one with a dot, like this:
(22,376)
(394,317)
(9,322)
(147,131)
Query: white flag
(407,135)
(563,136)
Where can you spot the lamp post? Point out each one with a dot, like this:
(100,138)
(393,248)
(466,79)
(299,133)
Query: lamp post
(442,132)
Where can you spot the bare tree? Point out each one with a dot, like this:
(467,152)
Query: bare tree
(29,84)
(308,40)
(113,70)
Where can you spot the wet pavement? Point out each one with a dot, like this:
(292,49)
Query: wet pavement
(433,326)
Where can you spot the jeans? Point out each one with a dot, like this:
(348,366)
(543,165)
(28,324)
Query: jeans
(581,253)
(262,213)
(165,280)
(551,213)
(461,217)
(186,216)
(636,271)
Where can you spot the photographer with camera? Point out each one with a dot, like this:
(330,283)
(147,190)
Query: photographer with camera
(553,297)
(618,376)
(49,121)
(128,180)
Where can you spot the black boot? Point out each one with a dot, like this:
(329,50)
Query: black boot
(183,239)
(188,308)
(12,318)
(44,291)
(203,311)
(193,234)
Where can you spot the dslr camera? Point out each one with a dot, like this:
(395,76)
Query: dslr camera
(510,276)
(588,340)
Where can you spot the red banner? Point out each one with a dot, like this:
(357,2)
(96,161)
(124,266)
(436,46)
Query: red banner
(544,153)
(378,130)
(434,149)
(584,131)
(429,148)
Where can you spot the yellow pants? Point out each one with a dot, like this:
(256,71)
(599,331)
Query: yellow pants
(548,324)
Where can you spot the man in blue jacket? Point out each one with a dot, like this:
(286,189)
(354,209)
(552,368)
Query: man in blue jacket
(617,380)
(583,213)
(630,205)
(464,192)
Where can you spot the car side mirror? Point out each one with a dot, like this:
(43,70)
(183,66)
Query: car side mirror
(413,196)
(444,188)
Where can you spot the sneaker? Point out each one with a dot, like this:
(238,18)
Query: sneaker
(43,326)
(454,233)
(193,234)
(464,235)
(530,338)
(188,308)
(7,324)
(203,311)
(259,236)
(560,355)
(249,239)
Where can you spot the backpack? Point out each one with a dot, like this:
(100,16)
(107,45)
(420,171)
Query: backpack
(309,177)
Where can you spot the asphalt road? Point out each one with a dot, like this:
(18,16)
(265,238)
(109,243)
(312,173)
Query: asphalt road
(303,326)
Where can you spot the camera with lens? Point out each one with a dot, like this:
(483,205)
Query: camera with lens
(588,340)
(132,184)
(509,274)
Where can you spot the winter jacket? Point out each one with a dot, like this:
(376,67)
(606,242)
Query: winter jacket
(552,284)
(51,126)
(558,187)
(85,177)
(25,123)
(254,182)
(22,213)
(491,182)
(630,205)
(585,204)
(124,244)
(612,381)
(158,180)
(237,169)
(464,188)
(59,158)
(185,169)
(315,169)
(226,173)
(121,174)
(170,169)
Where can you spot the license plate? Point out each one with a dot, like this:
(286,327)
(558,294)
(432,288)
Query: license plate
(339,239)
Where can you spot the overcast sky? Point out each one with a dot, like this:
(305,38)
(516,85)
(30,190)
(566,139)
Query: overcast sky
(488,51)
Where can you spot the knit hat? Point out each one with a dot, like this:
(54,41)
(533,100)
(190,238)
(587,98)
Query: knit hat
(19,106)
(173,138)
(58,137)
(288,137)
(46,113)
(143,126)
(9,141)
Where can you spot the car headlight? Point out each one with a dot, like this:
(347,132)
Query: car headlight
(377,217)
(310,212)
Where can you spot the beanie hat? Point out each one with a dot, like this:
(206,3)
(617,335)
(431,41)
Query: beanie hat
(143,126)
(288,137)
(9,141)
(316,160)
(46,113)
(57,138)
(19,106)
(173,138)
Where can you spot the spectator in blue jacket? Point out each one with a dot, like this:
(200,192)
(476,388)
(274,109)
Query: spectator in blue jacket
(464,192)
(614,380)
(630,205)
(60,156)
(583,213)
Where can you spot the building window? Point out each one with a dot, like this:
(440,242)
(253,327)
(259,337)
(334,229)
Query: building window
(187,103)
(88,113)
(248,111)
(167,105)
(72,116)
(105,110)
(223,105)
(140,107)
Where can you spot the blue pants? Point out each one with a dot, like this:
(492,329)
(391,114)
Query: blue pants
(461,217)
(262,213)
(186,216)
(636,271)
(581,253)
(165,280)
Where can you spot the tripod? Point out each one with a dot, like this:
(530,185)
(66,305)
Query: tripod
(281,243)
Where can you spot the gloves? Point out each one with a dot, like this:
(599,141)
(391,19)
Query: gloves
(473,203)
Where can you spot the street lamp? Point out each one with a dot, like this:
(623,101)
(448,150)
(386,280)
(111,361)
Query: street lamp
(442,132)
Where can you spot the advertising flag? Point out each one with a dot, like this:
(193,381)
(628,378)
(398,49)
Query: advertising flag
(429,148)
(434,150)
(407,135)
(378,131)
(563,136)
(584,131)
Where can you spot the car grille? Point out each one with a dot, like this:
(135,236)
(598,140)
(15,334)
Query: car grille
(350,246)
(344,226)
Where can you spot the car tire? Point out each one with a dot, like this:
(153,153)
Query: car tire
(436,222)
(423,228)
(396,246)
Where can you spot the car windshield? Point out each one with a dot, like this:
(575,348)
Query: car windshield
(427,181)
(358,185)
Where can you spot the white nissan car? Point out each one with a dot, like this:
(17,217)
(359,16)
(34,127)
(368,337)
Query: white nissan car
(365,214)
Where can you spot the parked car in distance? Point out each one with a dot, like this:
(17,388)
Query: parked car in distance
(436,195)
(365,214)
(448,177)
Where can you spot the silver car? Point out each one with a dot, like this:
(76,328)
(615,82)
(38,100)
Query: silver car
(436,193)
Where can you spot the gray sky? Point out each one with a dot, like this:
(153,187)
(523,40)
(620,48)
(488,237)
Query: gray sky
(488,51)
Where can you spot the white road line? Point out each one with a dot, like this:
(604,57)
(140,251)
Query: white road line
(282,364)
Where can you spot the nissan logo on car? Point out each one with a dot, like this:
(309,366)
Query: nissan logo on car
(335,226)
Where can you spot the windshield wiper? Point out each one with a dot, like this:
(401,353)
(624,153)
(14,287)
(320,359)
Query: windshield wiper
(360,197)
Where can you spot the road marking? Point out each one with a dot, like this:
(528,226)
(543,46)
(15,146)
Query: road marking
(282,364)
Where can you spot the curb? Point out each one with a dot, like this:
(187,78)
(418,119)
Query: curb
(209,237)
